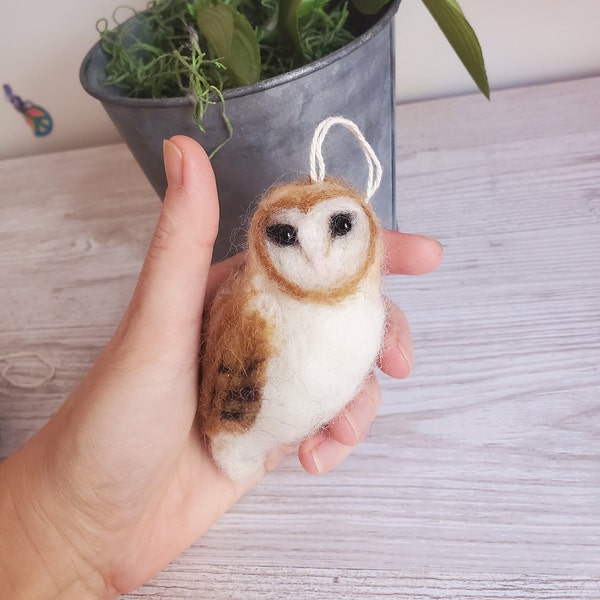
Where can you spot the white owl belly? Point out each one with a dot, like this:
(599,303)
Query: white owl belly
(323,353)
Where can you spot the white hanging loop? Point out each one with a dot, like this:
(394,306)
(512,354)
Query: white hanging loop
(317,164)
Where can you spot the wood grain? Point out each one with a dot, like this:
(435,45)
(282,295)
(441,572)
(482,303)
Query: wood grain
(481,477)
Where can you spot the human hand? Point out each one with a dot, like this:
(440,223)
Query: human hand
(119,482)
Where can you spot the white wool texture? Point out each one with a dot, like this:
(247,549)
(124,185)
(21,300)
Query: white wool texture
(324,354)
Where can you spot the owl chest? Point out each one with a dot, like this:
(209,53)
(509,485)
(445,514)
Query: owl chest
(320,357)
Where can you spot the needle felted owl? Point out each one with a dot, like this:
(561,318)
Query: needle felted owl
(294,332)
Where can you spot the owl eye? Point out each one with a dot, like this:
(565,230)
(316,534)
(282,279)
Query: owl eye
(340,224)
(282,234)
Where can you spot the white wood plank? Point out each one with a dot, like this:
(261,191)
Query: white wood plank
(235,583)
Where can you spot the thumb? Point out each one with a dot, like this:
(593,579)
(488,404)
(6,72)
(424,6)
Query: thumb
(169,297)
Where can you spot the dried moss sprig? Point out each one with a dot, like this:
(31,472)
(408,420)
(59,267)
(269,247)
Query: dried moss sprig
(163,54)
(168,57)
(162,57)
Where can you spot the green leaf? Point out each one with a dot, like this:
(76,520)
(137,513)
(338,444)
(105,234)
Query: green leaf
(288,24)
(232,40)
(462,38)
(456,5)
(305,7)
(369,7)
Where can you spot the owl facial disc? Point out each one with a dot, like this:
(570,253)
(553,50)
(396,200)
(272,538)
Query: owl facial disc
(320,248)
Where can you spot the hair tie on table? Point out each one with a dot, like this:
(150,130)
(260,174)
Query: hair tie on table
(4,372)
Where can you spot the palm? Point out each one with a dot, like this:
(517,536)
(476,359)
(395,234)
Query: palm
(182,507)
(161,491)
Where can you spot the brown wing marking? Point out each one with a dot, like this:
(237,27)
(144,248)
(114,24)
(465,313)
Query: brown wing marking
(237,346)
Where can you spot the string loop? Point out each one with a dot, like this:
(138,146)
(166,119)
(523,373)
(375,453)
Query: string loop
(317,163)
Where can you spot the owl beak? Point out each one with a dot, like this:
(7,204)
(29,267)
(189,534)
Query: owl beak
(318,261)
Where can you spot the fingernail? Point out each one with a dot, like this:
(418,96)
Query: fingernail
(351,421)
(315,458)
(408,362)
(173,163)
(327,455)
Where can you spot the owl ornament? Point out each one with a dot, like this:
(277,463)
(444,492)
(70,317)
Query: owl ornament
(292,335)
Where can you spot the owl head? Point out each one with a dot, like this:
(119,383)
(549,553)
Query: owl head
(315,240)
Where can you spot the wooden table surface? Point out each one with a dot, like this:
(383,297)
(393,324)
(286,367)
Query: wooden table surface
(481,476)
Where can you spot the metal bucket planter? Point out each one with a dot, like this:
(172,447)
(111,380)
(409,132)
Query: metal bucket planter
(273,122)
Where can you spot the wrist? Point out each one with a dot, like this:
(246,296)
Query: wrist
(38,556)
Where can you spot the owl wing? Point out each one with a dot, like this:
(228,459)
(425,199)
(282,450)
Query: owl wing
(233,365)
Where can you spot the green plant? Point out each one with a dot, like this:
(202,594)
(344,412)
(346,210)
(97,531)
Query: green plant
(202,47)
(453,23)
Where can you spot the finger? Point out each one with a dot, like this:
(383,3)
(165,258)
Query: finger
(172,284)
(324,450)
(322,453)
(411,254)
(352,425)
(396,358)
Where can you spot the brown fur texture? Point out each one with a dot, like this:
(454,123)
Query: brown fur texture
(234,359)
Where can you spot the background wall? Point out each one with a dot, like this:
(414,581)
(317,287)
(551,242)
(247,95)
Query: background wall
(524,41)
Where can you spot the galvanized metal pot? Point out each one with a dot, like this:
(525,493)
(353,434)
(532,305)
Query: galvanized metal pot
(273,123)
